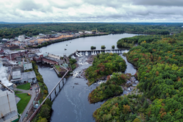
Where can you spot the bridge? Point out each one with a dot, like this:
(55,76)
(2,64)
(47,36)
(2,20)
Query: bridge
(95,52)
(58,87)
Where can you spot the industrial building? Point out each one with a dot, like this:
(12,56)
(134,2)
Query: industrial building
(19,77)
(8,108)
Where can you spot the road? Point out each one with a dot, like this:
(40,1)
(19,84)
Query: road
(33,95)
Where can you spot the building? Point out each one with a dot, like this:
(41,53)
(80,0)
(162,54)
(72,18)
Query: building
(51,59)
(88,32)
(18,77)
(29,77)
(21,38)
(8,108)
(4,40)
(27,66)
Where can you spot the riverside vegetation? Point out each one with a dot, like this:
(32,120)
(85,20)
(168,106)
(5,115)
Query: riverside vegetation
(160,74)
(45,112)
(103,65)
(109,89)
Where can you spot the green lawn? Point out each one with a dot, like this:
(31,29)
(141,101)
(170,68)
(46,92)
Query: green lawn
(24,86)
(23,102)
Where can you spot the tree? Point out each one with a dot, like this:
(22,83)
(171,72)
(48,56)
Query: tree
(103,47)
(42,120)
(136,120)
(146,104)
(113,47)
(45,111)
(93,47)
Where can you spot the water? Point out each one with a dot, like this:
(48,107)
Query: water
(72,105)
(84,44)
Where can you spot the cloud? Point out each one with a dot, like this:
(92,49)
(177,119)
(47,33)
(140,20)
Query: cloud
(91,11)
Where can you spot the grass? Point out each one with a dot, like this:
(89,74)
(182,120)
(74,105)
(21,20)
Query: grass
(24,86)
(58,68)
(23,102)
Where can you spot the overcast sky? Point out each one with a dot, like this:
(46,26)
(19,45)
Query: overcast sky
(91,10)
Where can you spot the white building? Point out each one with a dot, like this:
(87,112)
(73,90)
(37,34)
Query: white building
(88,32)
(21,38)
(8,108)
(80,32)
(4,40)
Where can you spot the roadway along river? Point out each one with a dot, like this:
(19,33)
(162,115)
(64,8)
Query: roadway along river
(71,105)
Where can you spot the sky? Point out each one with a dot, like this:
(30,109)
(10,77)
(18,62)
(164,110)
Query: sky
(91,10)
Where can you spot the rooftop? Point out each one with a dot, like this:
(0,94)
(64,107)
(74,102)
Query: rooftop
(28,75)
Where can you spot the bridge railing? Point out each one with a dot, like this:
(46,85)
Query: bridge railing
(33,115)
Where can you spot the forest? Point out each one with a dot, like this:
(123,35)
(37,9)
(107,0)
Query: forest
(103,65)
(14,30)
(160,74)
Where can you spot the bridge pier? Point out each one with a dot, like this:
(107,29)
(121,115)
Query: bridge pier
(63,82)
(59,86)
(55,92)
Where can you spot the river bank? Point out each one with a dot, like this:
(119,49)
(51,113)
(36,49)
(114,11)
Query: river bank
(62,40)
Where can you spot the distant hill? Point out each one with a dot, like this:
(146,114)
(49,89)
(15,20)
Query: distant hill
(3,22)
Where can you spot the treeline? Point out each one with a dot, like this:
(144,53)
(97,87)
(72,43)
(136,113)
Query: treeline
(132,41)
(13,30)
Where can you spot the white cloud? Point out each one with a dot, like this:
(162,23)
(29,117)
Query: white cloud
(91,10)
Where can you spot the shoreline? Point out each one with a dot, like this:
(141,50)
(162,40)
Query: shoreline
(62,40)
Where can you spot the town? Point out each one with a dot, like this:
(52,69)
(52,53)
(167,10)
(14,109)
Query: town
(24,42)
(18,59)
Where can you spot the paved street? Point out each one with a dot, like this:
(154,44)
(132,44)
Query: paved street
(33,95)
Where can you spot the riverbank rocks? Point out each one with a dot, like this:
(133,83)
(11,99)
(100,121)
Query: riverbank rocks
(136,81)
(133,79)
(128,83)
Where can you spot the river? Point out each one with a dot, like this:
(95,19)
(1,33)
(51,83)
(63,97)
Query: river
(71,105)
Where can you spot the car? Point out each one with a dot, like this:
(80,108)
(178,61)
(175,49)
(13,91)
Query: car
(28,94)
